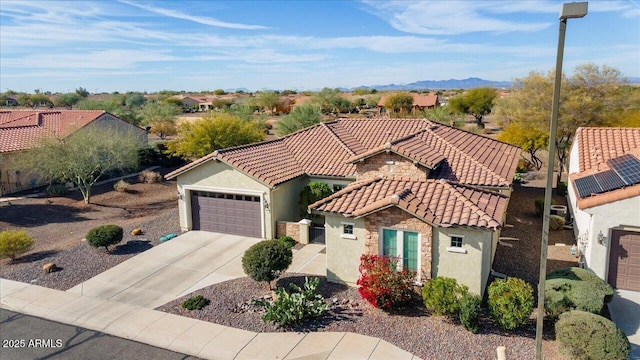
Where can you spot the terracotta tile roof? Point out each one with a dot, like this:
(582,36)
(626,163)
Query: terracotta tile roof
(595,146)
(329,149)
(438,202)
(22,129)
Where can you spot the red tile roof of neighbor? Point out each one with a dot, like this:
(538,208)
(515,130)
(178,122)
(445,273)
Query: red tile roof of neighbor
(435,201)
(22,129)
(595,146)
(329,149)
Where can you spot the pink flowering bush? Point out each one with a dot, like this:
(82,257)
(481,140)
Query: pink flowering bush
(381,284)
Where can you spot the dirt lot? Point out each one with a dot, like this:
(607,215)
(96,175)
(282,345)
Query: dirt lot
(59,224)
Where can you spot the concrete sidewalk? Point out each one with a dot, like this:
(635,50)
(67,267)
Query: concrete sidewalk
(186,335)
(625,313)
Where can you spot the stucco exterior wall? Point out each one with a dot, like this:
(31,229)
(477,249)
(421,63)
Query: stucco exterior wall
(395,218)
(604,218)
(389,164)
(343,254)
(285,200)
(218,176)
(471,268)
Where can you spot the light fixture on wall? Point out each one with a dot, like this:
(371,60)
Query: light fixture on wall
(179,195)
(602,240)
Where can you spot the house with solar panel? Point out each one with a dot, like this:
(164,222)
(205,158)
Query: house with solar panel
(432,195)
(604,200)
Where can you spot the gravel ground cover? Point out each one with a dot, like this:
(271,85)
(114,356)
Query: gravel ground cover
(59,225)
(411,328)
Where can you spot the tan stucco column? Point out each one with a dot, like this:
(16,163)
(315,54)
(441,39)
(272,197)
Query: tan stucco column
(304,230)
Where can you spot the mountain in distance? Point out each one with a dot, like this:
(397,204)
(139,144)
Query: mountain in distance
(469,83)
(633,80)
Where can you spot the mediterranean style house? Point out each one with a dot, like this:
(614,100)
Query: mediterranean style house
(430,194)
(21,130)
(604,200)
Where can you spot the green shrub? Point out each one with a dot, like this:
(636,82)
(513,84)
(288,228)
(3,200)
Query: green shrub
(296,306)
(574,288)
(287,240)
(195,303)
(470,307)
(14,243)
(524,165)
(442,295)
(311,193)
(517,178)
(510,302)
(266,260)
(105,235)
(556,222)
(57,190)
(561,189)
(539,203)
(583,335)
(121,186)
(381,284)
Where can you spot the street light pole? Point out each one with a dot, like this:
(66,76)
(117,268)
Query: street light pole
(569,11)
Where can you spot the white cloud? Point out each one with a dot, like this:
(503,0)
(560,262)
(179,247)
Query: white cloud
(197,19)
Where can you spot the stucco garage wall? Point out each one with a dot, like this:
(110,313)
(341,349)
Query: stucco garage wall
(343,255)
(218,176)
(471,269)
(617,214)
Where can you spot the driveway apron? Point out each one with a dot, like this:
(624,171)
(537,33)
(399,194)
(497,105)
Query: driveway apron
(170,270)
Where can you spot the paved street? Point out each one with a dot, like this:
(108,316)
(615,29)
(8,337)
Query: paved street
(21,332)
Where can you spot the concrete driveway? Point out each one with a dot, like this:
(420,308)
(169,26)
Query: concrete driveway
(170,270)
(625,312)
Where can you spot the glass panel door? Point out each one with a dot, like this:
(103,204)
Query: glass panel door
(410,251)
(389,242)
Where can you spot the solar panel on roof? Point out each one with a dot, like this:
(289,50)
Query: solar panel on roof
(627,167)
(609,180)
(587,186)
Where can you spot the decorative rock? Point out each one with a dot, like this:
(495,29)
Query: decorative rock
(136,231)
(49,268)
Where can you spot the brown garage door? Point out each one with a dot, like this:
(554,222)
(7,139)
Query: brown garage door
(624,260)
(226,213)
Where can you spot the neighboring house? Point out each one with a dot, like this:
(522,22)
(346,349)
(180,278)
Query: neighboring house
(434,195)
(604,199)
(420,102)
(21,130)
(11,100)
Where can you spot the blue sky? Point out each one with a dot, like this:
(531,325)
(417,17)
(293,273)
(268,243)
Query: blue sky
(108,46)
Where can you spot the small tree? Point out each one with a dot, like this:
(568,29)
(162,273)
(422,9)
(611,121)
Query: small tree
(214,131)
(83,157)
(510,302)
(266,260)
(14,243)
(528,138)
(399,103)
(311,193)
(105,235)
(300,117)
(161,117)
(477,102)
(267,100)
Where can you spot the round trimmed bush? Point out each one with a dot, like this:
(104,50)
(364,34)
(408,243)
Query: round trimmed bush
(442,295)
(195,303)
(574,288)
(583,335)
(470,307)
(556,222)
(510,302)
(105,235)
(266,260)
(14,243)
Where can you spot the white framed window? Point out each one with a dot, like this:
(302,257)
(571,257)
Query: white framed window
(456,244)
(347,231)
